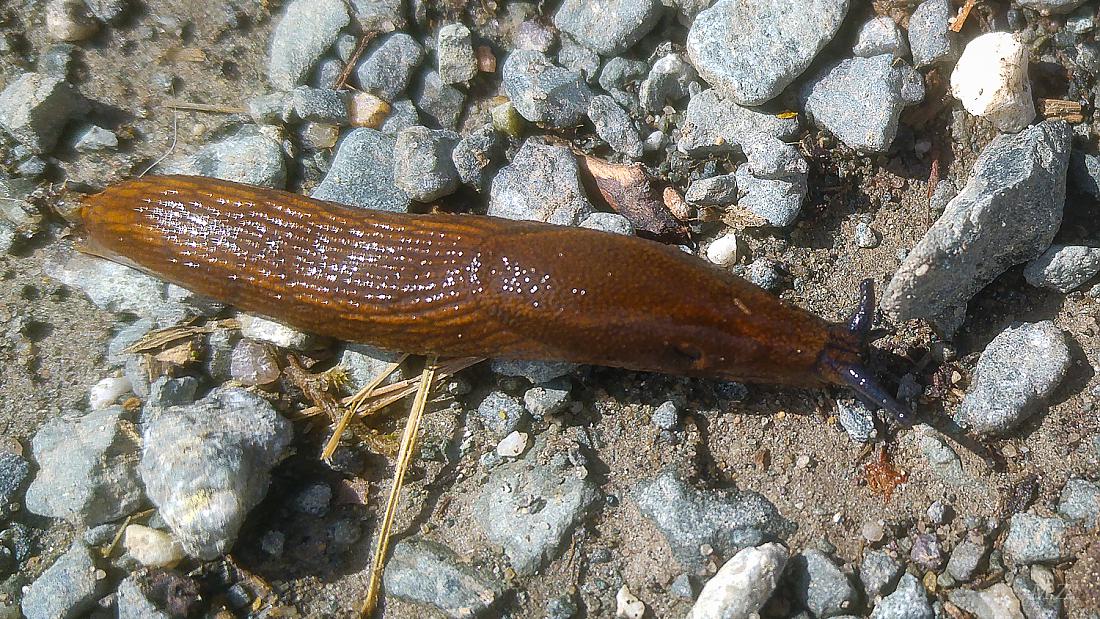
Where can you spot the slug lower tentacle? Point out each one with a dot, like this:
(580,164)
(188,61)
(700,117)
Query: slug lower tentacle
(463,285)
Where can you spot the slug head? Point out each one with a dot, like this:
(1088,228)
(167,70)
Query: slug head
(842,360)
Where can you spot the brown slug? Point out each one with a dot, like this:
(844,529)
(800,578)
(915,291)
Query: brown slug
(466,285)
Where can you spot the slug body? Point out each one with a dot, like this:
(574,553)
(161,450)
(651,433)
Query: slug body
(463,285)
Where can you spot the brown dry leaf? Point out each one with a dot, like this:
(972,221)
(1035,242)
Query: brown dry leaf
(630,192)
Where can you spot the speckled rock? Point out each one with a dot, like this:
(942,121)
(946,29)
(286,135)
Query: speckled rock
(477,155)
(880,35)
(614,126)
(306,29)
(908,601)
(773,202)
(454,51)
(1051,6)
(441,104)
(1035,539)
(248,156)
(1063,267)
(930,39)
(543,92)
(35,107)
(428,572)
(879,572)
(422,164)
(387,69)
(743,584)
(204,483)
(1015,375)
(860,100)
(608,26)
(533,537)
(728,521)
(714,125)
(1008,213)
(1080,502)
(820,585)
(540,184)
(996,602)
(361,174)
(87,467)
(68,588)
(751,51)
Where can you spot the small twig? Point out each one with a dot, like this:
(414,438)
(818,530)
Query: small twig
(171,147)
(357,401)
(964,12)
(205,107)
(354,58)
(404,457)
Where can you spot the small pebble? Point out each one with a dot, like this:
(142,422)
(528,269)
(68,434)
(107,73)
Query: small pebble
(991,81)
(455,51)
(150,547)
(627,605)
(665,416)
(107,391)
(725,250)
(513,445)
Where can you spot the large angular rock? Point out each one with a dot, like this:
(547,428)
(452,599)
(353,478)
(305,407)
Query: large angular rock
(540,184)
(35,107)
(361,174)
(68,588)
(608,26)
(543,92)
(752,50)
(306,29)
(249,156)
(715,125)
(430,573)
(1008,213)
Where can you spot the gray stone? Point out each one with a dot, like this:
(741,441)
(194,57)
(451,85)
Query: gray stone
(68,588)
(248,156)
(314,499)
(665,416)
(538,372)
(477,155)
(943,460)
(166,391)
(551,398)
(1035,539)
(320,105)
(879,572)
(1051,6)
(718,190)
(820,585)
(500,413)
(361,174)
(94,138)
(207,464)
(668,81)
(403,114)
(327,73)
(277,333)
(543,92)
(857,420)
(1079,503)
(996,602)
(422,164)
(776,202)
(619,72)
(930,38)
(379,15)
(87,468)
(530,508)
(773,159)
(965,559)
(1063,267)
(57,60)
(714,125)
(751,51)
(540,184)
(860,99)
(880,35)
(363,364)
(387,69)
(615,126)
(1084,173)
(908,601)
(454,50)
(1015,375)
(940,512)
(107,10)
(608,222)
(35,107)
(13,472)
(1034,602)
(430,573)
(269,109)
(134,603)
(440,103)
(577,58)
(765,273)
(728,521)
(1008,213)
(562,607)
(609,26)
(306,29)
(7,237)
(15,207)
(535,34)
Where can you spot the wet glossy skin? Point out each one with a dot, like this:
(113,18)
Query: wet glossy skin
(462,285)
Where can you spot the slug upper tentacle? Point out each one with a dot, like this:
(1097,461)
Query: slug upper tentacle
(457,285)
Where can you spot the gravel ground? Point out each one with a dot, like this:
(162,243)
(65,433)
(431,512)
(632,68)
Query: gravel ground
(818,141)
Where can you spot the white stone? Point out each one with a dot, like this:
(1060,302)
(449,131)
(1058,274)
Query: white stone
(264,330)
(628,605)
(725,250)
(991,81)
(107,391)
(151,547)
(512,445)
(743,584)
